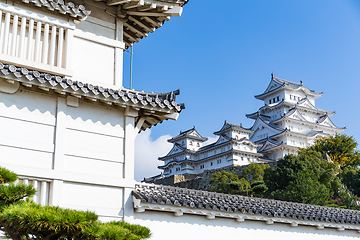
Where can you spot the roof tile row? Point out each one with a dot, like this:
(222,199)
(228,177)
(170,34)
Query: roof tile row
(122,95)
(246,205)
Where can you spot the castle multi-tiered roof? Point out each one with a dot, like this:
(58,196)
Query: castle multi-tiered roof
(289,119)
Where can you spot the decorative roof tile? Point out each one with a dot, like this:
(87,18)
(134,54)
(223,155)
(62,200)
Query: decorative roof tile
(122,96)
(76,11)
(278,83)
(191,134)
(229,126)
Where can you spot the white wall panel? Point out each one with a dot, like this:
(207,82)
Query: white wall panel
(96,119)
(98,29)
(26,130)
(93,166)
(105,201)
(96,143)
(25,157)
(28,106)
(87,66)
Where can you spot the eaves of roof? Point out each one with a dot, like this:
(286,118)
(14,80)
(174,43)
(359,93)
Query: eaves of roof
(284,84)
(282,145)
(187,134)
(229,126)
(143,17)
(163,105)
(268,123)
(210,204)
(308,122)
(176,145)
(308,134)
(211,157)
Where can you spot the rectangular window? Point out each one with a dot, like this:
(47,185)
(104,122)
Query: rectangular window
(277,98)
(270,101)
(273,100)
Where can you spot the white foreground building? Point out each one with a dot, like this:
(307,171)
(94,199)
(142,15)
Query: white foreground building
(289,119)
(188,155)
(67,125)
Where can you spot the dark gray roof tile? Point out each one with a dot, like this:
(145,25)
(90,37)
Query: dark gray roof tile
(58,83)
(248,205)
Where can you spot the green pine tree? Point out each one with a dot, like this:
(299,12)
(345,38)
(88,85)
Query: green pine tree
(25,220)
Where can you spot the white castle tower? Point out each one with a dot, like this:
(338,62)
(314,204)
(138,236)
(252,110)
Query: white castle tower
(289,119)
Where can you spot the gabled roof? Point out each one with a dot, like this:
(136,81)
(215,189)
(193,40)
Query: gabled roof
(278,83)
(156,107)
(229,139)
(175,150)
(295,113)
(266,122)
(321,122)
(309,133)
(176,162)
(232,127)
(211,204)
(326,121)
(188,134)
(305,103)
(270,143)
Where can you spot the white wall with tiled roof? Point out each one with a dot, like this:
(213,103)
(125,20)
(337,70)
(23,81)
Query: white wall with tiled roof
(166,225)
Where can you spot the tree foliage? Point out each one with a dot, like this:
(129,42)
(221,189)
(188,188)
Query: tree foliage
(341,148)
(305,178)
(254,171)
(229,182)
(24,220)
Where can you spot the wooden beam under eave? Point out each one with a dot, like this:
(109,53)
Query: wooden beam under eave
(152,121)
(135,30)
(131,38)
(116,2)
(127,6)
(176,11)
(138,22)
(151,21)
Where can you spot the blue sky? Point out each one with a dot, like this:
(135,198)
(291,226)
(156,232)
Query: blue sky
(221,53)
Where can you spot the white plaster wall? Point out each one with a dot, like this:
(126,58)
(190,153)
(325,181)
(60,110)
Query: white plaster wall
(106,201)
(93,62)
(27,128)
(78,151)
(167,226)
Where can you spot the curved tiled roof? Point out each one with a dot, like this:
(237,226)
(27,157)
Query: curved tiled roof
(229,126)
(194,199)
(281,83)
(76,11)
(64,86)
(317,110)
(191,134)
